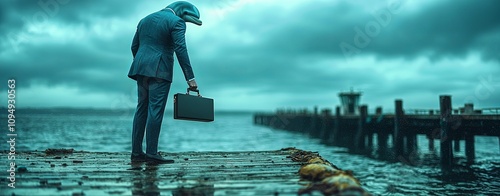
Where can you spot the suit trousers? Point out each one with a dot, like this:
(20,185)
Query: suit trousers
(152,98)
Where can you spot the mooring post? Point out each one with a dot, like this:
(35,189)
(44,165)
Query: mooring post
(469,108)
(470,151)
(323,119)
(382,135)
(329,127)
(369,130)
(370,135)
(312,129)
(336,127)
(316,124)
(360,135)
(398,129)
(411,143)
(306,124)
(456,144)
(430,136)
(446,135)
(431,142)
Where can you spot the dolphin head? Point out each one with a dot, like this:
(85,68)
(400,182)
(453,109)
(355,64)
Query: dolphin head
(187,11)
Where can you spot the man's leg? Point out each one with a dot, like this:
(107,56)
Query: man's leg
(158,94)
(141,115)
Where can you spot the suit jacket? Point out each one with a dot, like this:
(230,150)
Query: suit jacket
(158,35)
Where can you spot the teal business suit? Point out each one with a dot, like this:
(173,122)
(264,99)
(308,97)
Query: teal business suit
(158,36)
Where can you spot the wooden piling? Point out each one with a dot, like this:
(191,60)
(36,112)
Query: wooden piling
(369,135)
(411,143)
(323,127)
(311,127)
(336,127)
(328,125)
(382,138)
(351,132)
(470,151)
(446,135)
(382,135)
(431,142)
(456,141)
(398,129)
(369,130)
(456,144)
(360,134)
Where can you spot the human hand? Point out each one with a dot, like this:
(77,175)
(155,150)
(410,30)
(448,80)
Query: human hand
(192,85)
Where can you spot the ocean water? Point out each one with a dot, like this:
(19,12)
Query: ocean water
(110,131)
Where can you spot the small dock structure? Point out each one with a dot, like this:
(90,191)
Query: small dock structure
(351,126)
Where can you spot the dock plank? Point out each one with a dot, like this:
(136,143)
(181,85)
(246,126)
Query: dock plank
(193,173)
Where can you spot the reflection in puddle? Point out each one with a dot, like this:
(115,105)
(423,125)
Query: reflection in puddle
(145,181)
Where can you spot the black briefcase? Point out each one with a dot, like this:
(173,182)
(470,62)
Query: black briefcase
(192,107)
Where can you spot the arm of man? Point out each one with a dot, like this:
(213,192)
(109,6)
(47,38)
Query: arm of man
(135,44)
(178,36)
(135,41)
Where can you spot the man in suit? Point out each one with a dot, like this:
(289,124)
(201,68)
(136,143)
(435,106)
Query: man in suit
(158,36)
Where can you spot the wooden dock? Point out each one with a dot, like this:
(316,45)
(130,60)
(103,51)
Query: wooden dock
(193,173)
(64,172)
(357,132)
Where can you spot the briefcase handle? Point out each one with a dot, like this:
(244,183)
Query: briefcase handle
(197,91)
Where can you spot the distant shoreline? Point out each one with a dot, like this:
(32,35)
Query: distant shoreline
(87,110)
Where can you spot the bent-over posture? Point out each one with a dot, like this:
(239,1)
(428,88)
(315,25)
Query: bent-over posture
(158,36)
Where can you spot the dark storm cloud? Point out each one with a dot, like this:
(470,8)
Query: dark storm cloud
(445,28)
(24,12)
(87,63)
(316,31)
(88,68)
(268,48)
(440,29)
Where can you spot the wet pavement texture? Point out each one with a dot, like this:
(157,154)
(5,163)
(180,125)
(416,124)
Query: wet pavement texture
(193,173)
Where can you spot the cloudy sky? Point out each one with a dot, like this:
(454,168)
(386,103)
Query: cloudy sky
(259,54)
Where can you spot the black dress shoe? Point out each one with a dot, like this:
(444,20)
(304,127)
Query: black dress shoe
(138,157)
(156,158)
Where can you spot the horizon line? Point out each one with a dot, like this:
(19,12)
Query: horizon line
(104,108)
